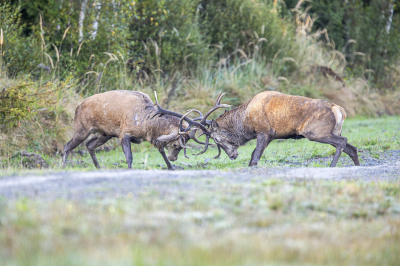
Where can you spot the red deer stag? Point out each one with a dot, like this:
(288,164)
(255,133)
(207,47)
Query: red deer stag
(273,115)
(132,117)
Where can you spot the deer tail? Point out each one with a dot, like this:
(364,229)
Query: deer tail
(340,116)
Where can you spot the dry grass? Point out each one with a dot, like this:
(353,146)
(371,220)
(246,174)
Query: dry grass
(49,125)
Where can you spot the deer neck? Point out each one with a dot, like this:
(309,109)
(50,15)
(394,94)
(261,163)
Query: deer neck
(234,122)
(158,126)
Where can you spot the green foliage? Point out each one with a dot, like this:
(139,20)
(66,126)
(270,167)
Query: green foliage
(238,24)
(363,30)
(10,23)
(53,27)
(166,35)
(16,104)
(179,36)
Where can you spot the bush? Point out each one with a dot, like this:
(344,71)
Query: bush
(360,30)
(243,24)
(16,104)
(12,42)
(166,35)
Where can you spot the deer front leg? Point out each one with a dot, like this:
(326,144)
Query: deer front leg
(169,165)
(126,147)
(262,143)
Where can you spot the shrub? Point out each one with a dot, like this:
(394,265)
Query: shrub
(16,104)
(166,35)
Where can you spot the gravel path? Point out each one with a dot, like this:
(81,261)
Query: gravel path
(103,184)
(366,159)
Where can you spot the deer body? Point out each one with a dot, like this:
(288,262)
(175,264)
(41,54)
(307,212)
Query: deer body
(129,116)
(274,115)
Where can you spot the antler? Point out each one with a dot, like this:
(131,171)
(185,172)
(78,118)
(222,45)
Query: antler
(191,122)
(206,132)
(206,145)
(181,142)
(219,152)
(184,153)
(204,121)
(217,105)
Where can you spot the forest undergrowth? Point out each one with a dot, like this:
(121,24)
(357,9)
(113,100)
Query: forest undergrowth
(37,108)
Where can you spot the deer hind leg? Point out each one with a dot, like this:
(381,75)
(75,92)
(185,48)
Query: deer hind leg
(262,143)
(352,152)
(72,144)
(339,143)
(93,143)
(336,141)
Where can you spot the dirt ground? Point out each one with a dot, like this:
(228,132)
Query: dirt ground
(101,184)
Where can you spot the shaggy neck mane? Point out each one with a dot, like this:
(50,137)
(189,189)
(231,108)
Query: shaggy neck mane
(162,125)
(233,122)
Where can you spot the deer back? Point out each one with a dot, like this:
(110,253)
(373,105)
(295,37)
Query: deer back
(113,112)
(286,115)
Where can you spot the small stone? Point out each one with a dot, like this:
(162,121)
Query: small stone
(32,160)
(177,167)
(207,160)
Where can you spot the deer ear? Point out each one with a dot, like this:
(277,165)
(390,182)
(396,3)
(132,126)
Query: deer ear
(165,138)
(214,125)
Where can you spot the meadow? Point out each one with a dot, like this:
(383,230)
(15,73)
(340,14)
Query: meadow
(188,52)
(374,138)
(207,220)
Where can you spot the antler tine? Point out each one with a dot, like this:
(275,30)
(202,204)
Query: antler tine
(192,135)
(184,153)
(162,111)
(182,144)
(206,147)
(219,152)
(217,105)
(181,129)
(198,112)
(155,94)
(219,98)
(207,122)
(192,123)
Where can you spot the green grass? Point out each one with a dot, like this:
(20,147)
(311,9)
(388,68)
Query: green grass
(260,222)
(263,221)
(369,135)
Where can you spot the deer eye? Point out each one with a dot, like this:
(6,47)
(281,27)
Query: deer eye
(174,145)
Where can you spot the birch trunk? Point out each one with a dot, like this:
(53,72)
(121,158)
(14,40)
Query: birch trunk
(390,18)
(81,19)
(97,8)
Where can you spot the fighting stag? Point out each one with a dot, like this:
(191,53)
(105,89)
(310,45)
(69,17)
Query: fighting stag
(193,125)
(274,115)
(132,117)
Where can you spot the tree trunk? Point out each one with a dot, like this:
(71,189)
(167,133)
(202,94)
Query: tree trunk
(81,19)
(390,17)
(97,5)
(389,23)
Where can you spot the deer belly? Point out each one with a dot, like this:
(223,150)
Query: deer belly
(136,140)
